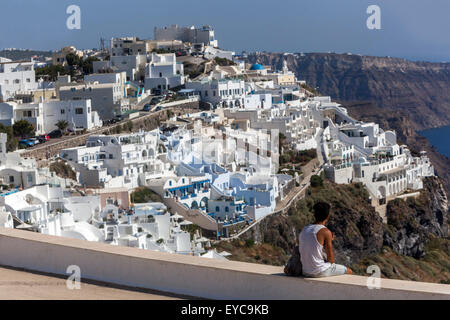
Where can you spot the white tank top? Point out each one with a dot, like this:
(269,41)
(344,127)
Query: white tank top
(311,251)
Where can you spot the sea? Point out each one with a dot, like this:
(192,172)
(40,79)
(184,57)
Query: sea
(440,138)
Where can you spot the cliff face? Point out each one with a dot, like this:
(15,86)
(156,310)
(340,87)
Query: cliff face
(420,88)
(413,222)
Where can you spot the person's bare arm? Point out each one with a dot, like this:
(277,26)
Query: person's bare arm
(328,239)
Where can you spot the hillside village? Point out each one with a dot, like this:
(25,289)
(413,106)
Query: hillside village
(214,167)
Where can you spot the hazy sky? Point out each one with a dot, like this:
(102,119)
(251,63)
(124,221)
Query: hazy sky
(413,29)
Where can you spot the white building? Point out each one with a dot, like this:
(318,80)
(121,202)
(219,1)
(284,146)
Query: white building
(113,77)
(105,97)
(220,93)
(204,35)
(356,151)
(16,76)
(127,160)
(163,72)
(211,52)
(44,116)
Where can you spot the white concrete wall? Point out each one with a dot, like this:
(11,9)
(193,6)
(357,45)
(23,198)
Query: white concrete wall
(194,276)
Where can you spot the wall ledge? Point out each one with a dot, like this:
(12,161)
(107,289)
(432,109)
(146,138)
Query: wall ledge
(193,276)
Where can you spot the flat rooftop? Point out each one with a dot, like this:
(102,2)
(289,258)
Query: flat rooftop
(18,284)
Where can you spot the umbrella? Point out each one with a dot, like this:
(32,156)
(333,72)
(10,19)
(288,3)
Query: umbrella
(185,223)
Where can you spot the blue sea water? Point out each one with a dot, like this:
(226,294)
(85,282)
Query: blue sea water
(440,138)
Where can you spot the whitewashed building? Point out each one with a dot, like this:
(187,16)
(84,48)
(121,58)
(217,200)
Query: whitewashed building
(220,93)
(16,76)
(105,97)
(126,160)
(163,72)
(44,116)
(204,35)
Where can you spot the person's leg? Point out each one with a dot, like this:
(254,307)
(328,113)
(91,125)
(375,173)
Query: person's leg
(334,270)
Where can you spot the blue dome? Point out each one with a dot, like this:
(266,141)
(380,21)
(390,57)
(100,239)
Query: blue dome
(256,66)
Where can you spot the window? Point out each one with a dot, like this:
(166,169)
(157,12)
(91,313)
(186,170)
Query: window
(78,110)
(63,111)
(227,209)
(217,209)
(11,179)
(206,93)
(28,80)
(160,74)
(110,156)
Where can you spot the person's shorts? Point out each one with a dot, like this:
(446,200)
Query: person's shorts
(334,270)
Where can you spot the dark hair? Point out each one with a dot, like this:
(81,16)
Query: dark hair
(321,211)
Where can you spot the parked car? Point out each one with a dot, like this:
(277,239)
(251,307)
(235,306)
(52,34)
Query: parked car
(119,117)
(34,141)
(55,134)
(146,107)
(43,138)
(26,143)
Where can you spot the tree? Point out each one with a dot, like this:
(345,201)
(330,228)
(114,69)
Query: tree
(88,64)
(51,72)
(73,60)
(62,125)
(23,128)
(129,125)
(11,142)
(316,181)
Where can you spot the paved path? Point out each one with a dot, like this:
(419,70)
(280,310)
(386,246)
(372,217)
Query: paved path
(20,285)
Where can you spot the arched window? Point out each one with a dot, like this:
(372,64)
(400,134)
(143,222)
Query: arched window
(226,209)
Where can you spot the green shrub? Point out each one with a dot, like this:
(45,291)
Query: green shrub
(144,195)
(316,181)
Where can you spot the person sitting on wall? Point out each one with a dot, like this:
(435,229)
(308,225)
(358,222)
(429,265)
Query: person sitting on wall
(316,249)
